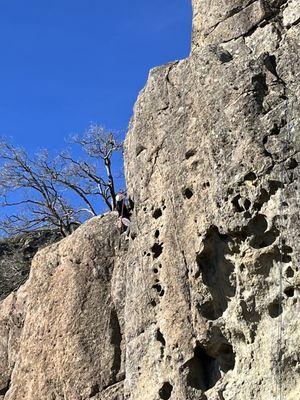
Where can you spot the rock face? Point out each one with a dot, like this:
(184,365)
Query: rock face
(61,333)
(213,169)
(204,303)
(16,255)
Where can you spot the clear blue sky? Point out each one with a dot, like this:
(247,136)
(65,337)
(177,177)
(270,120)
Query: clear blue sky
(65,63)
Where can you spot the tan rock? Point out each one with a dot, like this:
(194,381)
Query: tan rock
(291,13)
(71,320)
(204,303)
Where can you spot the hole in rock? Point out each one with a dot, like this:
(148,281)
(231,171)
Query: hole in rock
(160,337)
(263,198)
(190,153)
(264,240)
(194,165)
(251,176)
(275,309)
(155,270)
(226,357)
(159,289)
(286,250)
(222,55)
(274,186)
(157,249)
(247,204)
(225,57)
(165,391)
(216,272)
(94,390)
(139,149)
(188,193)
(247,215)
(115,340)
(292,164)
(260,88)
(264,263)
(275,130)
(156,234)
(289,292)
(258,224)
(207,310)
(249,311)
(204,370)
(271,64)
(153,303)
(289,273)
(4,390)
(157,213)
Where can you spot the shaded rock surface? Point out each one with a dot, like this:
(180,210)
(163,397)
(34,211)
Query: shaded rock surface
(16,255)
(204,302)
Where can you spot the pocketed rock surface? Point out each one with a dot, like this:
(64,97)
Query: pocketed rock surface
(212,165)
(202,302)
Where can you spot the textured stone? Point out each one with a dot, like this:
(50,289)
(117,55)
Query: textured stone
(216,192)
(70,315)
(291,15)
(204,303)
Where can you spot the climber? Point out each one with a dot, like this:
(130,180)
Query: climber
(121,205)
(124,215)
(124,226)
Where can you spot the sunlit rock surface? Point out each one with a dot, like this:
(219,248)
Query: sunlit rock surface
(202,302)
(213,169)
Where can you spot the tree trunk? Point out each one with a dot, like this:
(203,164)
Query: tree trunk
(111,184)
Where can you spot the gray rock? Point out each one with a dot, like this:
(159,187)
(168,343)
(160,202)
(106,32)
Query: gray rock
(217,212)
(62,331)
(203,301)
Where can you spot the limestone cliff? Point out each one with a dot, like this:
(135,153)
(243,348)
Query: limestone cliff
(204,302)
(61,332)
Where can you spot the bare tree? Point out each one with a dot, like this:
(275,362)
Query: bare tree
(44,192)
(36,198)
(99,144)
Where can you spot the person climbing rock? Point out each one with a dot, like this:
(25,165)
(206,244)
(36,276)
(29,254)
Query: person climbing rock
(121,206)
(124,214)
(124,226)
